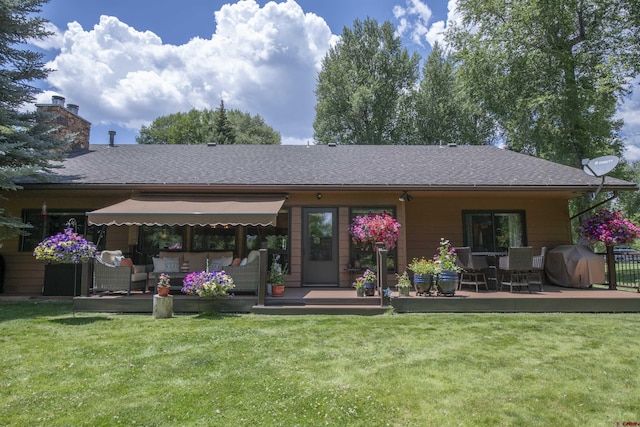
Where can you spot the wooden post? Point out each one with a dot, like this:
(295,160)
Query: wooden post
(381,270)
(162,307)
(262,283)
(611,268)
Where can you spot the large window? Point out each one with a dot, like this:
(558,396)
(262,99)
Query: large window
(367,258)
(494,231)
(153,238)
(47,223)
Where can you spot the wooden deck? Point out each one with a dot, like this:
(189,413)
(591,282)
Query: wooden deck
(344,301)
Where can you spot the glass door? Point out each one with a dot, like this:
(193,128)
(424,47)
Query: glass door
(320,247)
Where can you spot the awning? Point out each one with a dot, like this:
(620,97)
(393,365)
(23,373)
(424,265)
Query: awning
(191,210)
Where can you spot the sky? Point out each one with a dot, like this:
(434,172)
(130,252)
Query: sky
(127,62)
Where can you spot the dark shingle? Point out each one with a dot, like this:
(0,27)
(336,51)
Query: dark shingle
(320,165)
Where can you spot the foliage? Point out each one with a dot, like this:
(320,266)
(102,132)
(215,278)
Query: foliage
(225,132)
(403,280)
(367,230)
(445,258)
(423,266)
(277,274)
(444,112)
(207,283)
(164,280)
(609,227)
(65,248)
(364,86)
(106,365)
(550,73)
(369,276)
(358,283)
(26,142)
(203,126)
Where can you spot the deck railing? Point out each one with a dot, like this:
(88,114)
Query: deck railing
(627,270)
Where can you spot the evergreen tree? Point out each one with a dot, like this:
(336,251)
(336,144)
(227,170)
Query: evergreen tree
(225,134)
(26,144)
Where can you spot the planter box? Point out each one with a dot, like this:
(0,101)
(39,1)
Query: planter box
(62,279)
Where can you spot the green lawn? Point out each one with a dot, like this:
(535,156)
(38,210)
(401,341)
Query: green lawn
(61,369)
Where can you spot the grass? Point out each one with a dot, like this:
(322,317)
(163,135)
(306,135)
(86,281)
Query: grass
(88,369)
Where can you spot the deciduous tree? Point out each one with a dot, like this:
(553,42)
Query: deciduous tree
(364,87)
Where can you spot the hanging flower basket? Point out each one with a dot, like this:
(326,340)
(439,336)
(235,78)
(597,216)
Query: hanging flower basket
(367,230)
(65,248)
(609,227)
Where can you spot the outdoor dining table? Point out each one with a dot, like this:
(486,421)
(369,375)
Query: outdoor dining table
(491,272)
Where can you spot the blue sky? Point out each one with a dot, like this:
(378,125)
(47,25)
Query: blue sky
(127,62)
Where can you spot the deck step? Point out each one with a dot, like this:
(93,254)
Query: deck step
(358,309)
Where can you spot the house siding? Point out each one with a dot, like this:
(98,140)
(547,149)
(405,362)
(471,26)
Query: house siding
(427,218)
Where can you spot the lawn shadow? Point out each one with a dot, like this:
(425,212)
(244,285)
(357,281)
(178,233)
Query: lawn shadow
(79,321)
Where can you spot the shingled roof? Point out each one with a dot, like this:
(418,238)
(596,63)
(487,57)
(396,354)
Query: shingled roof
(343,167)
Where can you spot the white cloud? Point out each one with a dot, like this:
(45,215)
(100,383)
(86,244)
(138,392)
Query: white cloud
(436,31)
(412,19)
(54,41)
(259,60)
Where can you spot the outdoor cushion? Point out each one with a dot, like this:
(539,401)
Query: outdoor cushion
(197,260)
(109,256)
(158,264)
(127,262)
(253,255)
(171,265)
(236,262)
(171,254)
(243,262)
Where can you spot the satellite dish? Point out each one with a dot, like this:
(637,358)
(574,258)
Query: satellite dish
(600,165)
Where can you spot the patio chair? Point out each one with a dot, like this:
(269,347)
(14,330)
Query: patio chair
(472,273)
(109,277)
(517,266)
(537,273)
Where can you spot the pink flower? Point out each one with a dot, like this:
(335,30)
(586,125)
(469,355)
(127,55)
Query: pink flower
(610,228)
(367,230)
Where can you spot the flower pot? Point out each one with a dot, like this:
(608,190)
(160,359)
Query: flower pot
(403,291)
(277,290)
(369,289)
(448,282)
(360,292)
(422,283)
(163,291)
(62,279)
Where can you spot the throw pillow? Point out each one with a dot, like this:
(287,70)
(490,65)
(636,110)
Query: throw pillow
(236,262)
(158,265)
(253,255)
(227,261)
(117,260)
(243,262)
(127,262)
(171,265)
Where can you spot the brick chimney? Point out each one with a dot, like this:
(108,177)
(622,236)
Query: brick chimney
(67,121)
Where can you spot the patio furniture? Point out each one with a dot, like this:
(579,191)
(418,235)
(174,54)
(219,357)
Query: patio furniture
(574,266)
(537,273)
(472,273)
(516,266)
(113,272)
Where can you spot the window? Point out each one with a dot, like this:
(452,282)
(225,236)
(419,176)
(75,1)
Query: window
(160,237)
(214,238)
(367,258)
(494,231)
(55,221)
(277,238)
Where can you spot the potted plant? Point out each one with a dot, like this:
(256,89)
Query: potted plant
(611,228)
(277,276)
(445,260)
(207,283)
(367,230)
(62,253)
(164,284)
(404,284)
(359,285)
(424,271)
(369,278)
